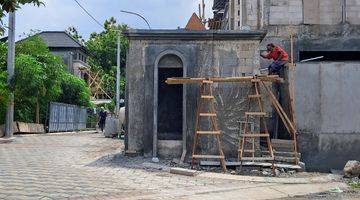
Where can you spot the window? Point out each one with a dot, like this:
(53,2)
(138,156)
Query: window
(238,12)
(238,23)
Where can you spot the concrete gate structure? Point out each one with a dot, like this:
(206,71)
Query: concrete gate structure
(161,118)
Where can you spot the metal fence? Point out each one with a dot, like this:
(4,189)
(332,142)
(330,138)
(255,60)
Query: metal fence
(66,117)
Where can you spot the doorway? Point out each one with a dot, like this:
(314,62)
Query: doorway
(170,99)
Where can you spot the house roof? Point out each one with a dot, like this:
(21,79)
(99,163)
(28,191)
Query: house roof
(60,39)
(195,23)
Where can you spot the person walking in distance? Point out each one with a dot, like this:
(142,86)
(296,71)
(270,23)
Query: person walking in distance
(102,119)
(278,55)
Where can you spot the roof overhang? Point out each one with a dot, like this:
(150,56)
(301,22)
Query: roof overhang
(181,34)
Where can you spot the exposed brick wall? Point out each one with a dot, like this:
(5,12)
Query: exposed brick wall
(252,10)
(353,11)
(330,11)
(286,12)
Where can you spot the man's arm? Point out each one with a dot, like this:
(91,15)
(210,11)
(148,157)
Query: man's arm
(264,56)
(280,57)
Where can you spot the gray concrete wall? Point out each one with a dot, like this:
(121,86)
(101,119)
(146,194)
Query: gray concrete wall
(285,12)
(353,11)
(202,58)
(328,113)
(323,11)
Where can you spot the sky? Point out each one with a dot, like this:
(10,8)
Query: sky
(58,15)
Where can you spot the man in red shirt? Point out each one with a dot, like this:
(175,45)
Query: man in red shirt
(279,56)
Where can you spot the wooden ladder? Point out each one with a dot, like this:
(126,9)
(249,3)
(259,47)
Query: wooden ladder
(206,96)
(256,96)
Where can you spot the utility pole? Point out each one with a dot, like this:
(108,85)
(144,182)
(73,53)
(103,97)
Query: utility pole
(118,74)
(10,68)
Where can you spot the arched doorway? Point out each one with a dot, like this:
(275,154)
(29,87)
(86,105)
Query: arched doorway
(170,99)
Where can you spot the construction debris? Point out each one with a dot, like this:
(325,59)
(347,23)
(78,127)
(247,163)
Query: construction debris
(252,164)
(352,169)
(182,171)
(22,127)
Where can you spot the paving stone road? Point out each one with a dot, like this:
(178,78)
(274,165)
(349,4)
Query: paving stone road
(76,166)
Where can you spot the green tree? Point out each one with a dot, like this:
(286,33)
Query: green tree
(75,34)
(4,94)
(104,45)
(4,90)
(40,77)
(74,91)
(29,88)
(52,66)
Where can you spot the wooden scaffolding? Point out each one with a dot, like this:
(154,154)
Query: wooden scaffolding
(248,138)
(258,82)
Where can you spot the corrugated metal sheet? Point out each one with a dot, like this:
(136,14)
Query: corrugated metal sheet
(66,117)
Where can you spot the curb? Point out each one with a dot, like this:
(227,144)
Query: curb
(54,134)
(6,140)
(317,179)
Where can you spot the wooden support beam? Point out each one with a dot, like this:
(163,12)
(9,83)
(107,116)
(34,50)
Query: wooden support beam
(287,122)
(181,80)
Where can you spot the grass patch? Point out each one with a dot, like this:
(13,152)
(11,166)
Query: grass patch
(355,183)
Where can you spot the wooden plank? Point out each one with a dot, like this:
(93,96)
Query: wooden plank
(259,164)
(270,78)
(257,158)
(284,153)
(255,96)
(185,80)
(30,128)
(209,156)
(208,114)
(256,113)
(285,159)
(282,143)
(255,135)
(247,151)
(280,111)
(208,132)
(182,171)
(207,97)
(207,81)
(181,80)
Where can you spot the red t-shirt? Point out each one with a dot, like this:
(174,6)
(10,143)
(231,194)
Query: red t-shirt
(276,53)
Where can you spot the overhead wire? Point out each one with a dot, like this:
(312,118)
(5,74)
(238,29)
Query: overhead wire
(89,14)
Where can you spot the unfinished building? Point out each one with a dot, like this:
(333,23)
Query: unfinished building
(161,117)
(327,110)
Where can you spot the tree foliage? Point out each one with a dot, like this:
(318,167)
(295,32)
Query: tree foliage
(29,86)
(40,77)
(104,45)
(4,94)
(74,91)
(4,89)
(75,34)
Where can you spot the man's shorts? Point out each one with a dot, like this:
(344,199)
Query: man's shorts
(275,67)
